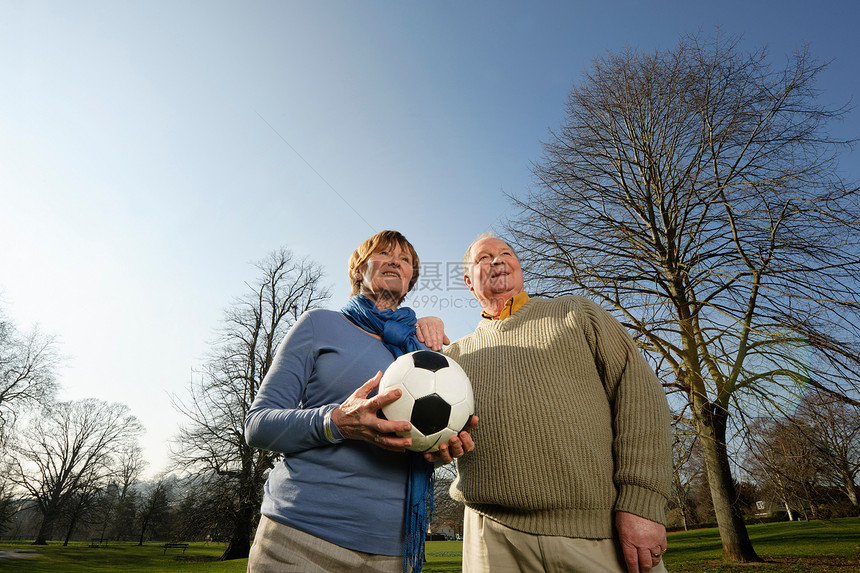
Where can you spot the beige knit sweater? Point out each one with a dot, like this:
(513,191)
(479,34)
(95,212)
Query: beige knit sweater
(574,424)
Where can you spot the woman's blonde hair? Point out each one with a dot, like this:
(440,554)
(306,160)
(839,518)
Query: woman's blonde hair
(379,242)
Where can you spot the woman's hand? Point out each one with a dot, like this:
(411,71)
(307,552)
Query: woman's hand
(456,447)
(431,331)
(356,418)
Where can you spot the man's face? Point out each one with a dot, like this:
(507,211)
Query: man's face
(495,272)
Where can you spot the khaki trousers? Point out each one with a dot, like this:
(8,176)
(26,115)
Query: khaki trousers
(279,548)
(490,547)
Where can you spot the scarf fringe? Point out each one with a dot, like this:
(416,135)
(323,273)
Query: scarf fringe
(419,513)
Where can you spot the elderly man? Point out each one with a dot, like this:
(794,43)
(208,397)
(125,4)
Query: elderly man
(572,466)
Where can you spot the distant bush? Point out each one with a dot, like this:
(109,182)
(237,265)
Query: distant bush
(827,511)
(769,518)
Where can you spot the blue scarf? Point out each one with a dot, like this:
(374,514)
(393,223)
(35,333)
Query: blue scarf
(397,329)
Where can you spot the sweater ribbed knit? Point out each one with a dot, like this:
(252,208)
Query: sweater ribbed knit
(574,424)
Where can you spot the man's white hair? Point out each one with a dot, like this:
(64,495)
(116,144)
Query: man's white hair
(467,257)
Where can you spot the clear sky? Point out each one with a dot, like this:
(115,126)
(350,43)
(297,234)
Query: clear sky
(151,150)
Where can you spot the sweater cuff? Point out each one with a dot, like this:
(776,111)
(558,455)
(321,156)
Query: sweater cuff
(642,502)
(330,431)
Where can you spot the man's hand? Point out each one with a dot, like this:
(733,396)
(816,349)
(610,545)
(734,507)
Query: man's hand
(431,331)
(455,447)
(643,541)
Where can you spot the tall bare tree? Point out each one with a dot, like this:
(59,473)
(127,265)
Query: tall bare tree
(696,193)
(783,463)
(114,505)
(71,449)
(80,509)
(684,470)
(154,508)
(832,428)
(27,372)
(212,443)
(447,513)
(9,502)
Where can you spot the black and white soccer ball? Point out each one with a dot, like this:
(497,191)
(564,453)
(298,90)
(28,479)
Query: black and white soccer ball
(437,398)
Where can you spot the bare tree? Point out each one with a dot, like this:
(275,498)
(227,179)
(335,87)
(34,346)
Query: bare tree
(201,513)
(832,429)
(8,500)
(27,365)
(448,513)
(79,509)
(684,471)
(695,192)
(212,442)
(114,505)
(72,448)
(154,508)
(783,462)
(114,515)
(129,469)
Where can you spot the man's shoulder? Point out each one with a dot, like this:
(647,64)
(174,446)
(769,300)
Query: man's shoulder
(564,303)
(454,347)
(458,346)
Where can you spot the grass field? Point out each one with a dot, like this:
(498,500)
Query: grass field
(795,547)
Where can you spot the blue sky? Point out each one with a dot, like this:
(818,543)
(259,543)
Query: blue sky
(150,151)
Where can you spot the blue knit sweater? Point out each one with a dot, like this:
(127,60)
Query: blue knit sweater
(350,493)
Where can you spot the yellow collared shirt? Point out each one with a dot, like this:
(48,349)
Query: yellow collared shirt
(512,305)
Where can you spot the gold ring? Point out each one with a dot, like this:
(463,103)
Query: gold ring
(376,438)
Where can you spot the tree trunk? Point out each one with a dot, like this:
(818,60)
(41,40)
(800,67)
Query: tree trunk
(737,546)
(849,487)
(143,530)
(74,521)
(45,530)
(240,542)
(852,494)
(810,499)
(788,509)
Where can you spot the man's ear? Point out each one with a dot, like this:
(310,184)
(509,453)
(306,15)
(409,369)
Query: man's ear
(468,282)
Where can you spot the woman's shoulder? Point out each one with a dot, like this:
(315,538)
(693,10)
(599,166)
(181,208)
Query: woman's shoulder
(322,313)
(322,318)
(333,327)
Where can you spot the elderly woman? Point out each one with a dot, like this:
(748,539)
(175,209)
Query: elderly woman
(347,495)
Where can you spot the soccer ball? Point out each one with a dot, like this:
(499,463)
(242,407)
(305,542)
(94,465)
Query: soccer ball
(437,398)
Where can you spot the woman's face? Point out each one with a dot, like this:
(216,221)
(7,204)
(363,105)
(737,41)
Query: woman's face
(387,273)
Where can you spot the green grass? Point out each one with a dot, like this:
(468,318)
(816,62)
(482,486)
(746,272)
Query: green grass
(795,547)
(787,547)
(126,557)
